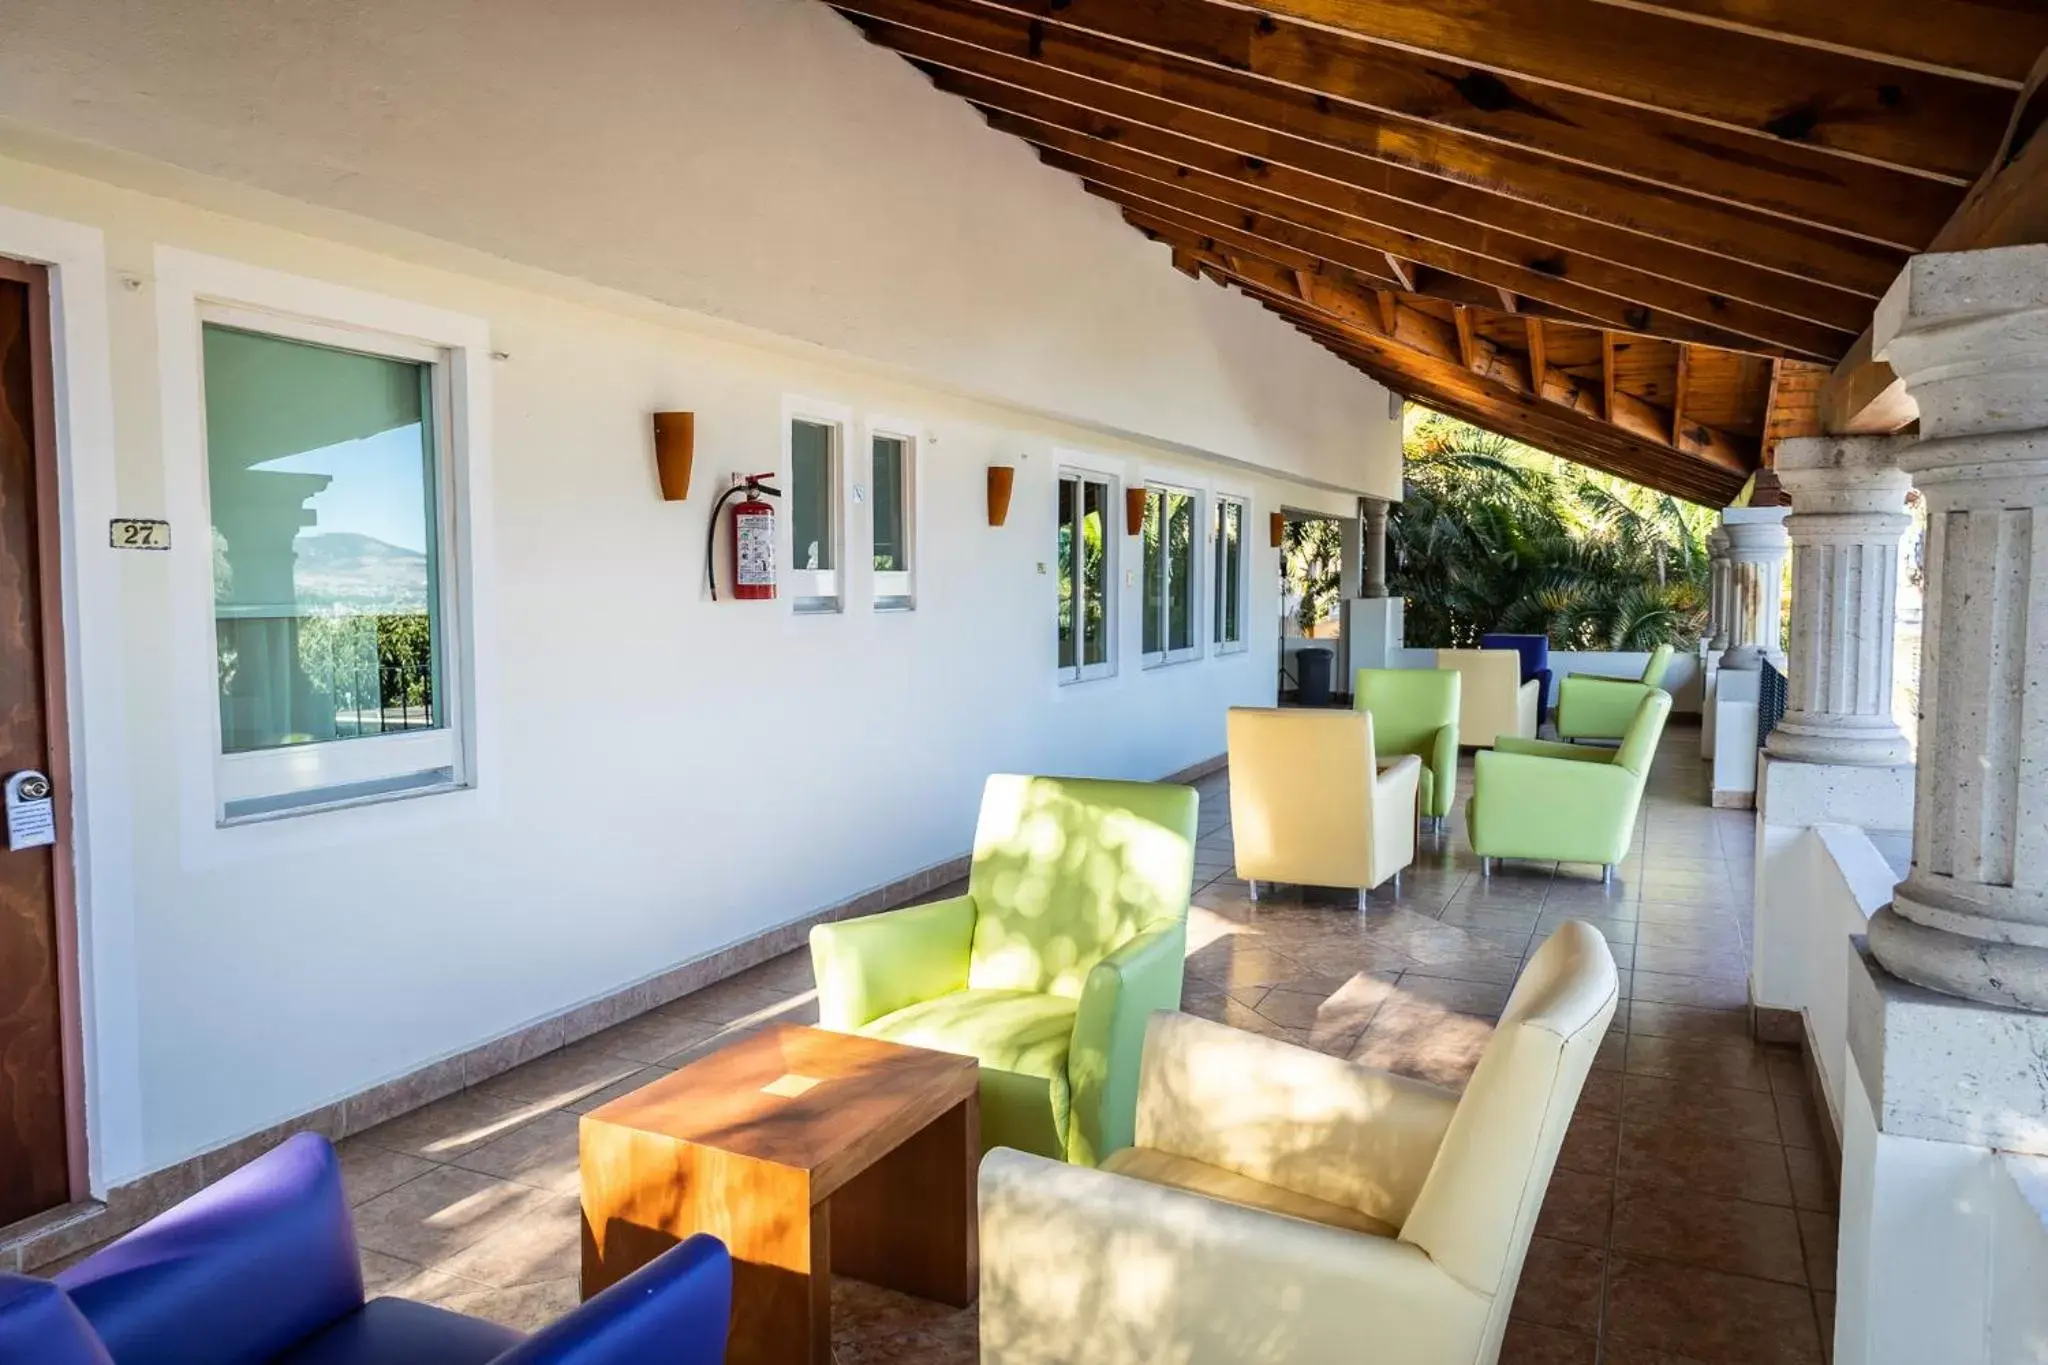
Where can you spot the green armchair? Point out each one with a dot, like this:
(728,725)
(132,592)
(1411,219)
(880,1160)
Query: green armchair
(1072,932)
(1593,707)
(1415,711)
(1571,803)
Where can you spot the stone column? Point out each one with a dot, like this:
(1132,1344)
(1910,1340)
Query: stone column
(1375,513)
(1757,546)
(1847,524)
(1718,574)
(1967,333)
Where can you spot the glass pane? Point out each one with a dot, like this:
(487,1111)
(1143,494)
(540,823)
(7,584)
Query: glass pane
(1155,575)
(892,546)
(1094,573)
(1233,570)
(1221,581)
(1066,570)
(810,495)
(320,466)
(1180,571)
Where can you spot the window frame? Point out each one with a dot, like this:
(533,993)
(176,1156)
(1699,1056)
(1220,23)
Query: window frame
(1218,500)
(894,590)
(295,777)
(1081,671)
(1157,491)
(814,592)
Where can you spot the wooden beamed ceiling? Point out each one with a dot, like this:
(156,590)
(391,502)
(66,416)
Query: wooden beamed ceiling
(1628,231)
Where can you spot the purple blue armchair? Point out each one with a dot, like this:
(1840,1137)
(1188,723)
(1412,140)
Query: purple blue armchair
(1535,652)
(262,1269)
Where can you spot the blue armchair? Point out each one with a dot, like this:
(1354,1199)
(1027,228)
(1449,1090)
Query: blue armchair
(1535,652)
(262,1269)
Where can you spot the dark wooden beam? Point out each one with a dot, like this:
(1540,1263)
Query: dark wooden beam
(1111,114)
(1523,266)
(1846,195)
(1899,115)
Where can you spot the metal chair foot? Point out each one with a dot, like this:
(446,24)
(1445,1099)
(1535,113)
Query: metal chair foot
(1254,889)
(1607,874)
(1486,867)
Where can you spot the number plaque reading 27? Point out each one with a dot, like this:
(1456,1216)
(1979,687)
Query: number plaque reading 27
(139,533)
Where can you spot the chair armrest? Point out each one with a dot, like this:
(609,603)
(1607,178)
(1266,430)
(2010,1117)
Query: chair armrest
(872,966)
(1289,1116)
(1528,708)
(1120,994)
(1443,768)
(244,1270)
(1550,748)
(1083,1265)
(674,1309)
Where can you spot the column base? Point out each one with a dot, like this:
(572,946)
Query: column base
(1943,1069)
(1805,738)
(2012,975)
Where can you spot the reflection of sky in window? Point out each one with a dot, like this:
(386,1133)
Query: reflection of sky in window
(379,487)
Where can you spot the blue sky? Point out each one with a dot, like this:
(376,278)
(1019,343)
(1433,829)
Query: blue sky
(378,487)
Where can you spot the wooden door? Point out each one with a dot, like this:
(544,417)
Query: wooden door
(36,1157)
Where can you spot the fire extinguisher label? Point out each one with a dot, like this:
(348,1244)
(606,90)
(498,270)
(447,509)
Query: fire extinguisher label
(755,540)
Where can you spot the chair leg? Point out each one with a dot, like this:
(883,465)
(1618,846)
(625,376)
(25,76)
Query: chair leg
(1485,867)
(1396,883)
(1607,874)
(1254,889)
(1362,893)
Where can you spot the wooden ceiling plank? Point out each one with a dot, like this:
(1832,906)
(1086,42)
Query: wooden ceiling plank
(1167,129)
(1361,246)
(1538,369)
(1888,113)
(1992,42)
(1540,271)
(961,34)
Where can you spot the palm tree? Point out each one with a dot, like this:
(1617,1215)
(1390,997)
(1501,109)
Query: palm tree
(1493,535)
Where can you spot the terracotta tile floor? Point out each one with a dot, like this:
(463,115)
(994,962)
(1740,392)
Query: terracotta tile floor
(1689,1223)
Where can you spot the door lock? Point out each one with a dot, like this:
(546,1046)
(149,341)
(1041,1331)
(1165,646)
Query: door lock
(31,814)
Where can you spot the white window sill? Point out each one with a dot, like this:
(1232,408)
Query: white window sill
(260,811)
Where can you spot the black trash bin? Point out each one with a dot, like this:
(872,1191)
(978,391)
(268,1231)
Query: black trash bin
(1312,676)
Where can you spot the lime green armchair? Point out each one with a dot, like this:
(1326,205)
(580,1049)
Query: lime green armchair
(1593,707)
(1570,803)
(1072,932)
(1415,711)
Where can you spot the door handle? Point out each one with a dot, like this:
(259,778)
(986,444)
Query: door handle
(31,812)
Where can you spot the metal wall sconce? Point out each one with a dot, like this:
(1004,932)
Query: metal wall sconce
(675,442)
(1278,521)
(1134,511)
(1001,479)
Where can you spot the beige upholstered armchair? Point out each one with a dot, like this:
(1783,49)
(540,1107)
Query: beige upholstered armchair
(1285,1206)
(1309,804)
(1492,698)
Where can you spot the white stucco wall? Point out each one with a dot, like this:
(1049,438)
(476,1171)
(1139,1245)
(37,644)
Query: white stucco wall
(666,775)
(752,160)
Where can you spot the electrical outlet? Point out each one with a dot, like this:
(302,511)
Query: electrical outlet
(1041,568)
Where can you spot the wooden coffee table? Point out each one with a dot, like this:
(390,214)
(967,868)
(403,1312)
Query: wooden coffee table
(805,1152)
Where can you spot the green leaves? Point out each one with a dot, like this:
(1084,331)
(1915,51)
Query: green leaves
(1494,535)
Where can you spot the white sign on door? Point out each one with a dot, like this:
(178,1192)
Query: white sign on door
(31,814)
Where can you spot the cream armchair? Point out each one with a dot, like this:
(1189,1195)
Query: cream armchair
(1309,804)
(1492,698)
(1286,1206)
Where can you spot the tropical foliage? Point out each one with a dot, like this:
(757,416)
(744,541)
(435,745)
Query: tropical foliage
(1494,535)
(1312,558)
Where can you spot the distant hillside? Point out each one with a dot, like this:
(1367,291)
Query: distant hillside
(343,566)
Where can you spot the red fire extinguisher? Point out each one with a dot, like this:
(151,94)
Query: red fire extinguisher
(752,559)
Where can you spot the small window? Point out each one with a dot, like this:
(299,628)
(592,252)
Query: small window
(892,503)
(1170,575)
(1087,552)
(1226,554)
(333,626)
(814,515)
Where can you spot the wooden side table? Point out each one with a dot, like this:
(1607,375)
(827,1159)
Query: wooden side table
(806,1152)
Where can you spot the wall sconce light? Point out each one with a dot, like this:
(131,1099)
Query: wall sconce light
(1278,521)
(1134,511)
(675,442)
(1001,478)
